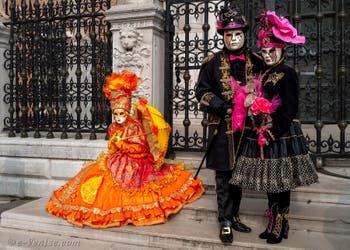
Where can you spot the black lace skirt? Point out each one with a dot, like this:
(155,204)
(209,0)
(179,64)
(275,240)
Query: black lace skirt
(286,164)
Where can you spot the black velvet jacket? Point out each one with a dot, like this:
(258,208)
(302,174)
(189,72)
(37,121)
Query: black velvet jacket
(214,92)
(282,81)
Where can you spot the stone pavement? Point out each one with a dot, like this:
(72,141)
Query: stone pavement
(29,226)
(319,219)
(9,202)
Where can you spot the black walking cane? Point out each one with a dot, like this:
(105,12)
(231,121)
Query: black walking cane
(206,152)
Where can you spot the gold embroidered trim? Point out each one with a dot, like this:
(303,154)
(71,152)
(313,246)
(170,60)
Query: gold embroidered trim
(213,119)
(271,135)
(208,58)
(280,160)
(117,223)
(227,92)
(205,101)
(71,188)
(274,77)
(137,208)
(278,225)
(284,137)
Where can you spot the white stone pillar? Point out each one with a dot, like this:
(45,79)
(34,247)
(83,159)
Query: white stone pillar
(4,78)
(138,45)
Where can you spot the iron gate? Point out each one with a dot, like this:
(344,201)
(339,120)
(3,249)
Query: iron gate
(322,64)
(60,52)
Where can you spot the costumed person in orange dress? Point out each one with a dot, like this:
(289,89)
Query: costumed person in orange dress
(130,184)
(275,157)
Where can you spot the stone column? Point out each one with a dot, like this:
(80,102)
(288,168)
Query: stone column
(138,45)
(4,78)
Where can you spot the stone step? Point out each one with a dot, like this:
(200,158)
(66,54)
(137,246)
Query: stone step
(329,189)
(304,216)
(39,177)
(337,162)
(55,148)
(31,223)
(36,167)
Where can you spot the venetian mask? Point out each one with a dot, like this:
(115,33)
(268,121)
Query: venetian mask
(271,55)
(234,39)
(120,115)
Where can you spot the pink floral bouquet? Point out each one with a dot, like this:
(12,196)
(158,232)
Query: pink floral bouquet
(260,111)
(261,105)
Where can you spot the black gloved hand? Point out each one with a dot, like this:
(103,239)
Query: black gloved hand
(226,110)
(257,120)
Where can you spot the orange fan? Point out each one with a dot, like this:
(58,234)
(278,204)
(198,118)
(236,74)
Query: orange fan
(156,128)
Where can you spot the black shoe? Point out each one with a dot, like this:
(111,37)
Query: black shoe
(280,229)
(226,235)
(239,226)
(264,235)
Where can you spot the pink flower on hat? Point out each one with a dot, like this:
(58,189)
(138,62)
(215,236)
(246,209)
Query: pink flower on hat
(281,28)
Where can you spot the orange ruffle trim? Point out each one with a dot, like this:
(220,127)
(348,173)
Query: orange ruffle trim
(114,206)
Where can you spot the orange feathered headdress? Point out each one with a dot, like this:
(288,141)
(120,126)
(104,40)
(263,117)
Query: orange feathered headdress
(118,89)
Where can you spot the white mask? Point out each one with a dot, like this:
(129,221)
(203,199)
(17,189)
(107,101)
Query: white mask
(271,55)
(120,115)
(234,39)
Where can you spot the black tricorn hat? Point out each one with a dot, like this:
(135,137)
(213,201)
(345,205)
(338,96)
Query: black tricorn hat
(230,18)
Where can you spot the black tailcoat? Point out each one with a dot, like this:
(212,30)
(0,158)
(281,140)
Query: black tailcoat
(214,92)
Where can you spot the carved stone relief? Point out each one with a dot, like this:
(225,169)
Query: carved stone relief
(2,10)
(131,53)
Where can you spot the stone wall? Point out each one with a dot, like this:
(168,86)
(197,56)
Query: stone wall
(35,167)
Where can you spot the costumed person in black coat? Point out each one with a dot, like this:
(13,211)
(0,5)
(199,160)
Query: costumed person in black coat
(220,76)
(275,157)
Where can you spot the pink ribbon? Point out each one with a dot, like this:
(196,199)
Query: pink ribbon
(261,140)
(269,214)
(240,57)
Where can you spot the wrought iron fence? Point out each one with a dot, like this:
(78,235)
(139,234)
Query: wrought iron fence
(321,63)
(60,52)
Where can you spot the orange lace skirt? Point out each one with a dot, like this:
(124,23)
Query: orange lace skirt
(93,198)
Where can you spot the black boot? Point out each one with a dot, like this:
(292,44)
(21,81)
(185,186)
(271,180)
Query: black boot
(239,226)
(226,235)
(268,230)
(280,227)
(285,223)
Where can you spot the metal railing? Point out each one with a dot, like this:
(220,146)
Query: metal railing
(59,55)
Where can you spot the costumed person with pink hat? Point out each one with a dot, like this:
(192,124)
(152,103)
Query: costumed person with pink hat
(130,184)
(275,157)
(222,76)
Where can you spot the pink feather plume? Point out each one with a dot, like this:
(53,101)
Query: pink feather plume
(275,102)
(258,86)
(239,111)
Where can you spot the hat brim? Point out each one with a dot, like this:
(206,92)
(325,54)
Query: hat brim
(221,30)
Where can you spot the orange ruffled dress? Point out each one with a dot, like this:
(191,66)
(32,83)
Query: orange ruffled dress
(123,187)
